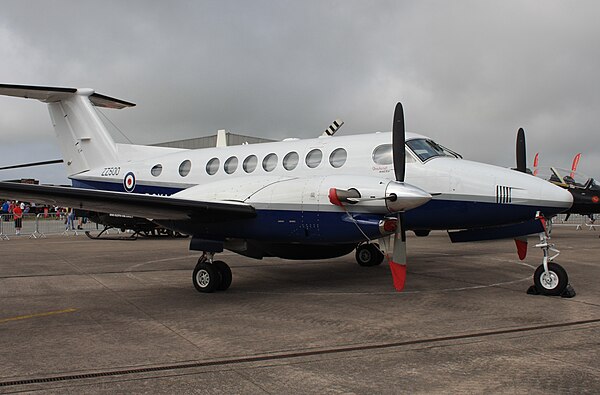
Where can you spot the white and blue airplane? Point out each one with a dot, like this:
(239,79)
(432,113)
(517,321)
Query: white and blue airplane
(295,199)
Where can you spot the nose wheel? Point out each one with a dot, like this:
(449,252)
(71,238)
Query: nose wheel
(553,281)
(550,278)
(210,276)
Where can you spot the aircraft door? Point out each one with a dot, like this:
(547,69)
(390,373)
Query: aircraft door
(310,207)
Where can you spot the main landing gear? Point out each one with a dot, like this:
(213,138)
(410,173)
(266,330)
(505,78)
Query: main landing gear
(210,275)
(369,254)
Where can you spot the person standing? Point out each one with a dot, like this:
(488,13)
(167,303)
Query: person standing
(5,207)
(18,217)
(70,219)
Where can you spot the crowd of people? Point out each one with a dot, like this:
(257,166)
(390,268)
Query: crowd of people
(18,209)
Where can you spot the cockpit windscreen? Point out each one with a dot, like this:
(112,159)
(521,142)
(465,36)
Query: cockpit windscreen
(426,149)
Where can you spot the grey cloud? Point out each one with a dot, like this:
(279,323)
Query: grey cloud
(469,73)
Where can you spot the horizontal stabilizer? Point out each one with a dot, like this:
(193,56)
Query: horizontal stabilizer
(32,164)
(49,94)
(499,232)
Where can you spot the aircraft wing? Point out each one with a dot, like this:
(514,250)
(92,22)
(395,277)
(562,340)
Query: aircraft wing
(137,205)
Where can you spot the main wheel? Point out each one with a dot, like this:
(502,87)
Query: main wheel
(225,272)
(206,277)
(552,283)
(368,255)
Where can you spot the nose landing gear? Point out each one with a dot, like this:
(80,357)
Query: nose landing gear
(550,278)
(210,276)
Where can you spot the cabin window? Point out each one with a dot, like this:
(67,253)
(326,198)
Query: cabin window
(270,162)
(290,161)
(250,163)
(313,158)
(338,157)
(184,168)
(382,155)
(231,165)
(156,170)
(212,166)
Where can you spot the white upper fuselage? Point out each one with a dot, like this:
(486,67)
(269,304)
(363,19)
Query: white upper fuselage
(186,174)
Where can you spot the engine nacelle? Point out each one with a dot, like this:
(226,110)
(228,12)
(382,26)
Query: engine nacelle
(393,196)
(357,194)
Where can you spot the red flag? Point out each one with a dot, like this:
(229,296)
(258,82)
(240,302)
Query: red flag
(574,165)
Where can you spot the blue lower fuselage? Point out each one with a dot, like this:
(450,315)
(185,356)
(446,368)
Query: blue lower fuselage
(303,226)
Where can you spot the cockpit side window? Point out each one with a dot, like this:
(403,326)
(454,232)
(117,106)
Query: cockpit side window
(426,149)
(383,155)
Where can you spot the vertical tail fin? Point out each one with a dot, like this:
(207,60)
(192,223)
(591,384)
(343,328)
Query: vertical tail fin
(84,140)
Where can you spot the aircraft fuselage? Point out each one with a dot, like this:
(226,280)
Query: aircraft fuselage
(288,183)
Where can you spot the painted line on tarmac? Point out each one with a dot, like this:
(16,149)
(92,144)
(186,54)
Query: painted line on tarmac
(297,354)
(465,288)
(46,314)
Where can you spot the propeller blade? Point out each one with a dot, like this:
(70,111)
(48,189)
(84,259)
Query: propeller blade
(46,162)
(398,261)
(521,152)
(398,141)
(521,243)
(536,161)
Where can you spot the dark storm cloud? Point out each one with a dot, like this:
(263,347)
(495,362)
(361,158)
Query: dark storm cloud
(469,73)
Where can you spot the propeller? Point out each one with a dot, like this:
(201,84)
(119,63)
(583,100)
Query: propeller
(521,242)
(398,261)
(521,152)
(398,198)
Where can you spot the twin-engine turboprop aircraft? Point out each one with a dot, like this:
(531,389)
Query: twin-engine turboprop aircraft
(297,199)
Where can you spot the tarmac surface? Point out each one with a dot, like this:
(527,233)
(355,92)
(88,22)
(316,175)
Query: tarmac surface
(86,316)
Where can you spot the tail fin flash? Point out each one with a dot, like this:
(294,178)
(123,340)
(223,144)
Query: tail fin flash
(84,140)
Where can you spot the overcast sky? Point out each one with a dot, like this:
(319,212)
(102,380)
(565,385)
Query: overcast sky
(469,73)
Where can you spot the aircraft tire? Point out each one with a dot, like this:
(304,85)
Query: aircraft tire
(555,283)
(369,254)
(225,273)
(206,278)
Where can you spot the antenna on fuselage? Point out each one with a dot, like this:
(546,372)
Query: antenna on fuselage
(334,127)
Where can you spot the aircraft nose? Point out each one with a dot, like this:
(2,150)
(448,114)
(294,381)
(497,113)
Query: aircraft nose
(558,199)
(544,196)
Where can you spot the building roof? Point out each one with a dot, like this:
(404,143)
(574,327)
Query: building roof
(211,141)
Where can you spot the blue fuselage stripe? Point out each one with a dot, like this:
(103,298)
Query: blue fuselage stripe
(336,226)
